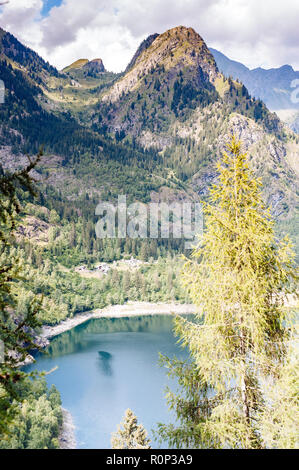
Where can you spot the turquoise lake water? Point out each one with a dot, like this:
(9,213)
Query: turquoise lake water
(108,365)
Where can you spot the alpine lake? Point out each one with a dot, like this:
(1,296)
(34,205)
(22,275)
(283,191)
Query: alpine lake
(108,365)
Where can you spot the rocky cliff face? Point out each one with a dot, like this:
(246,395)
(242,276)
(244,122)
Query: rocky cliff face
(95,66)
(143,46)
(176,49)
(172,101)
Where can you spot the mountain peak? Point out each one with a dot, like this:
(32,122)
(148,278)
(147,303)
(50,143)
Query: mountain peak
(144,45)
(78,64)
(286,68)
(177,45)
(176,49)
(95,65)
(183,32)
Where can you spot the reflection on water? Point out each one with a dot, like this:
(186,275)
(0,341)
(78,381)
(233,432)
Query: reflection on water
(79,338)
(108,365)
(105,362)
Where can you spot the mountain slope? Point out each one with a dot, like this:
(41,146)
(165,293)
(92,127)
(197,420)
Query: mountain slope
(92,66)
(173,98)
(144,45)
(273,86)
(25,59)
(154,132)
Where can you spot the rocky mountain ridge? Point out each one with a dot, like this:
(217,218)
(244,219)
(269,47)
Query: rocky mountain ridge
(176,48)
(169,116)
(274,86)
(95,65)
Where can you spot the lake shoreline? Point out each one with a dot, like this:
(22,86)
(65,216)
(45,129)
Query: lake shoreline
(67,439)
(130,309)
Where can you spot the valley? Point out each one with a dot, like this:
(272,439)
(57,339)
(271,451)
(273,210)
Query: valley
(161,124)
(156,133)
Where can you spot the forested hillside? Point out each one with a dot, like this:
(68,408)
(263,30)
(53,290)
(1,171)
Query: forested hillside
(161,124)
(153,133)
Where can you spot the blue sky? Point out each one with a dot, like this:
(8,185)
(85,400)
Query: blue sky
(256,33)
(48,5)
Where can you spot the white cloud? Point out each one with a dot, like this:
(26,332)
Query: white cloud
(257,33)
(21,17)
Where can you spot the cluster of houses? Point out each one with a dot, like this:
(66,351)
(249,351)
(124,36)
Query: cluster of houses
(104,268)
(133,263)
(81,269)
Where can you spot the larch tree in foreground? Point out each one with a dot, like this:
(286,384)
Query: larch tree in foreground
(130,434)
(239,389)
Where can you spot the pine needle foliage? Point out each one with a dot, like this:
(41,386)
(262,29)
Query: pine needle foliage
(16,331)
(130,434)
(239,276)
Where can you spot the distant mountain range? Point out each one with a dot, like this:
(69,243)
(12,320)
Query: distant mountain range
(273,86)
(154,132)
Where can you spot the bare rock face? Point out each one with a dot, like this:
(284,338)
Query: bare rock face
(177,48)
(95,65)
(34,229)
(149,139)
(143,46)
(67,439)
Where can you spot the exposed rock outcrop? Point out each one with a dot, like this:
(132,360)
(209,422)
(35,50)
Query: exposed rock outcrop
(67,439)
(179,47)
(144,45)
(95,66)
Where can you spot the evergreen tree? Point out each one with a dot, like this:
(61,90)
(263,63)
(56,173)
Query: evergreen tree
(239,277)
(16,328)
(38,424)
(130,434)
(73,235)
(279,420)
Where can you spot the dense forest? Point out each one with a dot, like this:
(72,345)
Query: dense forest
(154,135)
(38,423)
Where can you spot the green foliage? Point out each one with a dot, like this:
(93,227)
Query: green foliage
(66,293)
(16,328)
(130,434)
(186,96)
(239,277)
(279,420)
(189,404)
(38,421)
